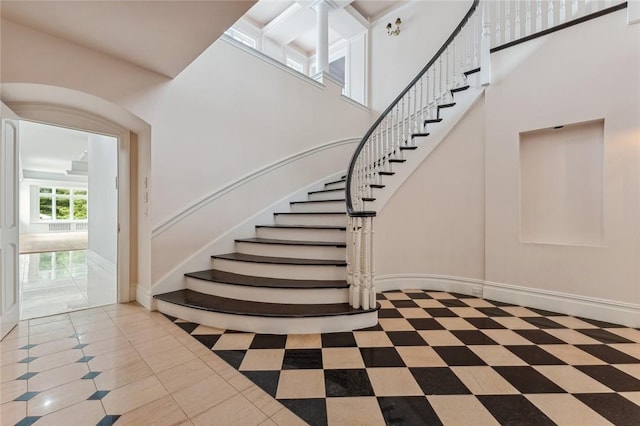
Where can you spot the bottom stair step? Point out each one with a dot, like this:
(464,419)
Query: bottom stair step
(259,317)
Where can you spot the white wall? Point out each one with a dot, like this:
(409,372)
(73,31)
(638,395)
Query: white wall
(226,115)
(102,154)
(395,61)
(434,224)
(587,72)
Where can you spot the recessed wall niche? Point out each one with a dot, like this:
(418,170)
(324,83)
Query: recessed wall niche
(561,184)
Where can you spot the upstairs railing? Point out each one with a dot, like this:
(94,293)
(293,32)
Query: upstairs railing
(494,25)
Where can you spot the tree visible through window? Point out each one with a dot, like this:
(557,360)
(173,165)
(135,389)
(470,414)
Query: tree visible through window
(62,204)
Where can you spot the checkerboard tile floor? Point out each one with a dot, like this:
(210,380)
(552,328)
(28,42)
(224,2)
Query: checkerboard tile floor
(444,358)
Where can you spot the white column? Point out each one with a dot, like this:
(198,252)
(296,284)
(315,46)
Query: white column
(322,40)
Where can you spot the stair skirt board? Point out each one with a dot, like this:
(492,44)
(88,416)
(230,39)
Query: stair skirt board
(326,195)
(311,219)
(271,325)
(304,234)
(271,270)
(294,251)
(270,295)
(321,206)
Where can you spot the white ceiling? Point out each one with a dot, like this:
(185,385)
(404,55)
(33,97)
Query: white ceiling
(162,36)
(290,22)
(50,149)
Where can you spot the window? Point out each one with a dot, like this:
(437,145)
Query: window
(241,37)
(295,65)
(62,203)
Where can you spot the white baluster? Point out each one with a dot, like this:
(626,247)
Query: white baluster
(498,32)
(348,257)
(517,33)
(574,8)
(550,14)
(538,16)
(485,66)
(469,46)
(476,40)
(366,271)
(420,119)
(357,229)
(587,6)
(563,12)
(507,22)
(527,18)
(447,86)
(372,265)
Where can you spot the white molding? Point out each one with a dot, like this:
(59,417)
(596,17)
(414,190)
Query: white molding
(271,325)
(565,303)
(616,312)
(470,286)
(243,180)
(144,297)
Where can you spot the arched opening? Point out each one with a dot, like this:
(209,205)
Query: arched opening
(76,110)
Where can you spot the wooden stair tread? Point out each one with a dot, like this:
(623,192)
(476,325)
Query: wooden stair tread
(291,242)
(242,257)
(326,190)
(224,277)
(206,302)
(339,228)
(277,213)
(319,201)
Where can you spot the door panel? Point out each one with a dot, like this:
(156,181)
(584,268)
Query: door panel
(9,252)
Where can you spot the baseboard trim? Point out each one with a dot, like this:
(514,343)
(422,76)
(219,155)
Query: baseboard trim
(469,286)
(144,297)
(627,314)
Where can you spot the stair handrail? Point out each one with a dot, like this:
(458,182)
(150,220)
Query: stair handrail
(392,131)
(349,198)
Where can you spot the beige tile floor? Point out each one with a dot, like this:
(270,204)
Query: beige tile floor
(153,371)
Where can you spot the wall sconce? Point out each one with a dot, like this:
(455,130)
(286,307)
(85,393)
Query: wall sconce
(397,30)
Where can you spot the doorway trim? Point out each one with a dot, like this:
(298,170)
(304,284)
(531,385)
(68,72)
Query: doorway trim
(62,116)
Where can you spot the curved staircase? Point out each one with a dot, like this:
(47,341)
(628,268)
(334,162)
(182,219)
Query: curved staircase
(289,278)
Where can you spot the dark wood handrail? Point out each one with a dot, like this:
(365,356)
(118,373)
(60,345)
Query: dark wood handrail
(354,158)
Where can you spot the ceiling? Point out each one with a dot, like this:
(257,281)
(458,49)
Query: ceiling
(290,22)
(49,149)
(161,36)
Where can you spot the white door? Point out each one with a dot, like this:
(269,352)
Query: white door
(9,254)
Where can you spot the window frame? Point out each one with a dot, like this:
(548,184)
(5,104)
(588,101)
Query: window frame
(71,196)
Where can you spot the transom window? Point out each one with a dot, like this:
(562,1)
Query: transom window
(55,204)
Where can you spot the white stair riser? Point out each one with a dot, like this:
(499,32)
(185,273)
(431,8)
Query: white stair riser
(311,219)
(294,251)
(302,234)
(334,185)
(294,272)
(271,325)
(331,195)
(270,295)
(327,206)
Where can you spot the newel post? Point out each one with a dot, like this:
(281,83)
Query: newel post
(485,46)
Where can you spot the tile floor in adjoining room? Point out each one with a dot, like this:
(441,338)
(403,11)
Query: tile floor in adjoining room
(63,281)
(434,358)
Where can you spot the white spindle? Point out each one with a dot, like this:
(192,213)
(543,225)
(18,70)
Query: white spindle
(447,86)
(527,18)
(365,262)
(420,118)
(507,22)
(476,40)
(485,48)
(538,15)
(550,14)
(587,6)
(562,17)
(498,32)
(518,23)
(574,8)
